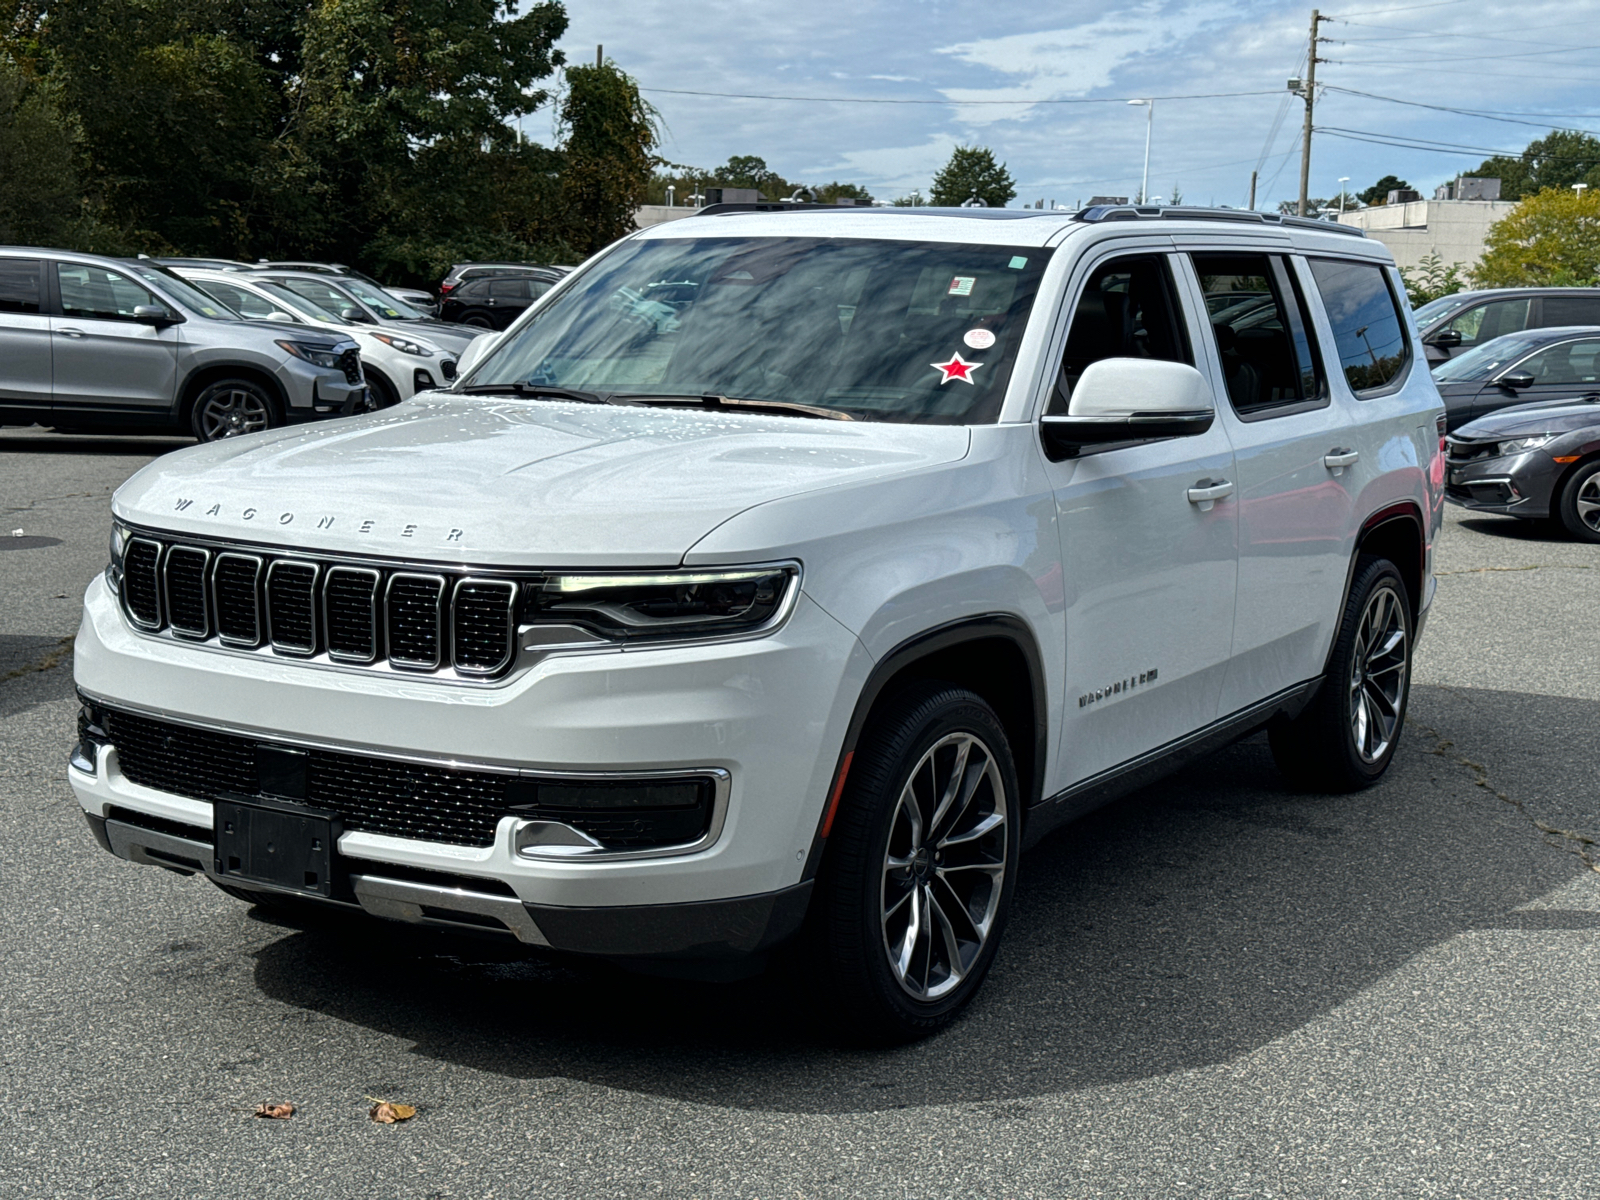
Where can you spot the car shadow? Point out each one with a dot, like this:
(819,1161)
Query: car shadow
(1517,529)
(143,445)
(1183,926)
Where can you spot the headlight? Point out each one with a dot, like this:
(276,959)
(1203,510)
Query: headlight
(670,606)
(119,543)
(1518,445)
(313,352)
(404,345)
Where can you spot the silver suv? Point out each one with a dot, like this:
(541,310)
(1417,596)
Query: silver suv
(101,343)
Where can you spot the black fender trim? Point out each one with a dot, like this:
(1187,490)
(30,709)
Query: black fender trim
(701,931)
(984,627)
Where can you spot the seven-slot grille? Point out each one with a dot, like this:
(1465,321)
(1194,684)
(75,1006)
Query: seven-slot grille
(310,608)
(350,363)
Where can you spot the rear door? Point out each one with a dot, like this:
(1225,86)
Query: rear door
(1581,308)
(104,359)
(1292,448)
(507,297)
(24,335)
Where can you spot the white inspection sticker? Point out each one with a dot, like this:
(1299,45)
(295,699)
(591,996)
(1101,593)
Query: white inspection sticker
(978,339)
(961,285)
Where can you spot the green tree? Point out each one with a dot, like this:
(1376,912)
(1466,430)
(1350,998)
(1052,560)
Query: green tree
(40,199)
(1378,193)
(748,171)
(611,138)
(1432,278)
(973,172)
(1557,160)
(1551,238)
(830,193)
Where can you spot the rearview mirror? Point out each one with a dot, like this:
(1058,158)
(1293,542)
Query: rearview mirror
(1446,339)
(153,314)
(1120,400)
(1516,381)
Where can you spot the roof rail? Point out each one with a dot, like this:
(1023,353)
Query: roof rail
(1139,212)
(714,210)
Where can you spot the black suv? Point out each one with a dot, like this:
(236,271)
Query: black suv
(463,273)
(1455,323)
(494,301)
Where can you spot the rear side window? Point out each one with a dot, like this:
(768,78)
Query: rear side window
(1128,309)
(19,284)
(1368,331)
(508,289)
(1263,338)
(1571,310)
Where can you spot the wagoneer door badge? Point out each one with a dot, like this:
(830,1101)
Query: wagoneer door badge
(1116,689)
(956,368)
(345,524)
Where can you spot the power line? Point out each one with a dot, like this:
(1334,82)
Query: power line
(953,103)
(1485,114)
(1463,58)
(1406,142)
(1378,12)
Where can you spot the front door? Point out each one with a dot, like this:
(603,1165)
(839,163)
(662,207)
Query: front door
(105,360)
(1565,371)
(1149,568)
(1294,463)
(24,335)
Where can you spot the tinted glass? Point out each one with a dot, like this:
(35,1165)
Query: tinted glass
(1262,335)
(94,292)
(381,302)
(19,284)
(1368,332)
(1434,309)
(879,330)
(1489,321)
(1566,363)
(1571,310)
(538,287)
(319,293)
(180,289)
(507,289)
(1128,309)
(1483,361)
(299,304)
(246,304)
(475,288)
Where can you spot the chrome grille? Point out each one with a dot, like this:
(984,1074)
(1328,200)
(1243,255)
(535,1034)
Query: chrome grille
(292,607)
(320,609)
(141,586)
(185,577)
(350,613)
(416,620)
(236,592)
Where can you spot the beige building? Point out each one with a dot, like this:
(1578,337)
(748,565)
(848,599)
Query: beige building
(1453,229)
(647,215)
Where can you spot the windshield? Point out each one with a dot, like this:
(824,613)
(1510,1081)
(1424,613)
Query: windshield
(882,330)
(1483,361)
(180,289)
(380,301)
(297,303)
(1435,309)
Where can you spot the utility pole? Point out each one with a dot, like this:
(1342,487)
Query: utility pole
(1252,204)
(600,54)
(1310,85)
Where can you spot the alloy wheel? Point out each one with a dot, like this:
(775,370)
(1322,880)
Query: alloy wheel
(230,412)
(944,866)
(1378,675)
(1587,502)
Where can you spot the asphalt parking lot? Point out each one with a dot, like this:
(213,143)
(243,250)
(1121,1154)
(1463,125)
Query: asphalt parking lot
(1215,987)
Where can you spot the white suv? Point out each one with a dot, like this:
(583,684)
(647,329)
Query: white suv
(783,571)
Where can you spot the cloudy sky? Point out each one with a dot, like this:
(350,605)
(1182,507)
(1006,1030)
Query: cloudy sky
(1045,86)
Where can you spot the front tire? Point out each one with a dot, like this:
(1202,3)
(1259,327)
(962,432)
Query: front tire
(231,408)
(1580,503)
(917,881)
(477,321)
(1346,737)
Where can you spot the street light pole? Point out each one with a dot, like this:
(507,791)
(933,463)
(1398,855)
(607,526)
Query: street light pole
(1343,179)
(1149,124)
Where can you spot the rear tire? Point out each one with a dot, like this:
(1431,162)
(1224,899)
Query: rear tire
(1580,503)
(477,321)
(381,393)
(920,866)
(232,407)
(1345,738)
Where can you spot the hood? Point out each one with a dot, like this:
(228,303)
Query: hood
(538,483)
(1547,416)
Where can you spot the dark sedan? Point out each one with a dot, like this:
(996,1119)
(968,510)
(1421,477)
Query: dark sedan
(1535,461)
(1520,368)
(494,301)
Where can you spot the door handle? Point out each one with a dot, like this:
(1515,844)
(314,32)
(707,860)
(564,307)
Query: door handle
(1337,460)
(1208,491)
(72,333)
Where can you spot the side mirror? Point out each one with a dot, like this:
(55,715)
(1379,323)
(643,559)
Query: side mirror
(1446,339)
(154,314)
(354,315)
(278,314)
(1120,400)
(1516,381)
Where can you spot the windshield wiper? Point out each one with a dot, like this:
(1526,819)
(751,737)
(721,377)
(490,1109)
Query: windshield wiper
(714,401)
(545,391)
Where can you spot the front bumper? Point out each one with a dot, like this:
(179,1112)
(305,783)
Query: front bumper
(770,712)
(1517,485)
(316,393)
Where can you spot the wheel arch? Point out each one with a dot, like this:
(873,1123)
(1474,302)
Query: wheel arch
(995,655)
(207,375)
(1395,533)
(1587,454)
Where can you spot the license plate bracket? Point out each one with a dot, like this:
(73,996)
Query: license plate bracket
(285,846)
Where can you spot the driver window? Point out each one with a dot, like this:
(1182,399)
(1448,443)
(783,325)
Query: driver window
(1489,321)
(99,293)
(1567,363)
(1128,309)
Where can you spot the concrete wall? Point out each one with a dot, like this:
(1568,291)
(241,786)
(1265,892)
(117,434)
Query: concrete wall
(1453,229)
(659,214)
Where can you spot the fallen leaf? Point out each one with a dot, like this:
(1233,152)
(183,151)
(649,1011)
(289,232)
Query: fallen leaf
(276,1112)
(385,1113)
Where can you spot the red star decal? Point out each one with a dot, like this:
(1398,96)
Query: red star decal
(956,368)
